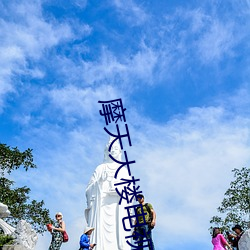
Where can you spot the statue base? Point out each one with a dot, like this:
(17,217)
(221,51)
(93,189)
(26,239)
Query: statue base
(12,247)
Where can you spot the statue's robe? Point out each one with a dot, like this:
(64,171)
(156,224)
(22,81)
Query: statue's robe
(103,210)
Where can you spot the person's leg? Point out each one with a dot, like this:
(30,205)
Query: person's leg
(59,244)
(149,238)
(52,245)
(56,244)
(140,238)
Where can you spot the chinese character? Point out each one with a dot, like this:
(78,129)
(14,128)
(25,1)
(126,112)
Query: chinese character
(112,110)
(135,216)
(128,193)
(123,164)
(138,239)
(119,136)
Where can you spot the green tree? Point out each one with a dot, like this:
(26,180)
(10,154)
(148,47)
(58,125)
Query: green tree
(17,199)
(235,207)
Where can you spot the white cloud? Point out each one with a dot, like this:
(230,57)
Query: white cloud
(25,35)
(10,58)
(240,101)
(143,63)
(31,33)
(121,71)
(198,19)
(82,102)
(131,12)
(80,3)
(198,33)
(105,69)
(217,42)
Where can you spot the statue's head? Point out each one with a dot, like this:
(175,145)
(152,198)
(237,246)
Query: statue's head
(115,150)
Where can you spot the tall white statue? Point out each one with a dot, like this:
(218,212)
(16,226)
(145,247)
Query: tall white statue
(103,210)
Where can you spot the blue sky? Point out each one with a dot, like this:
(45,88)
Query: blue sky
(182,71)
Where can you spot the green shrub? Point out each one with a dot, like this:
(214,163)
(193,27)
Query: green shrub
(6,240)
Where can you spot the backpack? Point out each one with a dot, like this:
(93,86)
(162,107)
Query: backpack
(150,216)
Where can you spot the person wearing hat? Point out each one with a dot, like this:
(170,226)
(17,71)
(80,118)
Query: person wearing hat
(85,239)
(56,231)
(239,231)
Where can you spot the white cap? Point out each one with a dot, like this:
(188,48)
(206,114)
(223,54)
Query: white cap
(59,213)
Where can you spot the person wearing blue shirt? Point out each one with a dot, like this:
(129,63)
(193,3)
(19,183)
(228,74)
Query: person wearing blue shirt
(85,239)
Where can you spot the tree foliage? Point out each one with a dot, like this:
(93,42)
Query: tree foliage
(17,199)
(13,158)
(235,207)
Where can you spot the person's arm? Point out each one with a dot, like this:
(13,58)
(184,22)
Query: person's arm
(232,235)
(152,211)
(84,241)
(229,246)
(154,217)
(224,242)
(92,246)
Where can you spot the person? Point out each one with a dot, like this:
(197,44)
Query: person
(103,211)
(239,231)
(218,240)
(231,240)
(145,230)
(85,239)
(56,231)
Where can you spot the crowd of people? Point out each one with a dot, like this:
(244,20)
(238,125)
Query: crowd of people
(219,241)
(141,230)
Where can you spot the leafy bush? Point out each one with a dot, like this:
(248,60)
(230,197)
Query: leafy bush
(6,240)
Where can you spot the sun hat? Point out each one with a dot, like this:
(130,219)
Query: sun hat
(59,213)
(87,229)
